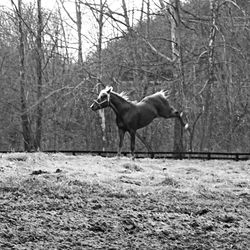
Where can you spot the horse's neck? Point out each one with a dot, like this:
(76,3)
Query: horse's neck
(119,104)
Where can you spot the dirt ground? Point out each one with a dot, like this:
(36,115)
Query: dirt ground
(56,201)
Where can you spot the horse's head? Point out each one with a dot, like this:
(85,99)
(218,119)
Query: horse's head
(103,99)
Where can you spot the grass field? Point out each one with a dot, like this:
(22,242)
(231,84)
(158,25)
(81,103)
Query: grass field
(55,201)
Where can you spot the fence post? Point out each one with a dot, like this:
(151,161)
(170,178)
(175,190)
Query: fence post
(209,156)
(237,157)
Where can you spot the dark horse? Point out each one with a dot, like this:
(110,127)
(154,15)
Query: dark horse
(131,116)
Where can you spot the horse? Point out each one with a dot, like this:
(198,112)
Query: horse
(132,115)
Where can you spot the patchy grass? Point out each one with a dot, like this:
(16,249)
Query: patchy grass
(87,202)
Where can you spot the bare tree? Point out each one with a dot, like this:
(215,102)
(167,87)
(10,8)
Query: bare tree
(98,14)
(78,22)
(25,120)
(100,71)
(132,42)
(39,76)
(79,30)
(207,118)
(173,12)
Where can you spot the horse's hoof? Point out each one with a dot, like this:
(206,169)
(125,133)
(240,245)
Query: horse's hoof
(186,126)
(181,114)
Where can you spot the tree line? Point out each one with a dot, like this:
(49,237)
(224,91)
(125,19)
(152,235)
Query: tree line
(199,50)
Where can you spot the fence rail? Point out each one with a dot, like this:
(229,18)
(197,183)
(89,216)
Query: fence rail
(168,155)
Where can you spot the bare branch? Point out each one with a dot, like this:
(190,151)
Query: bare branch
(159,53)
(71,18)
(21,18)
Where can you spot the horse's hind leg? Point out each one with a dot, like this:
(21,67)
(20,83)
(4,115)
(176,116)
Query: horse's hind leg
(184,124)
(180,115)
(132,145)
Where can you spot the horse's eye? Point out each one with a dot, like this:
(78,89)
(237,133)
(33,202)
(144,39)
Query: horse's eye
(103,97)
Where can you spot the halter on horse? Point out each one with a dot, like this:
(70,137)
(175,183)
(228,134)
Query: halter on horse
(131,116)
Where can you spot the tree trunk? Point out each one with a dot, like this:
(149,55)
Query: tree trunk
(39,77)
(25,121)
(177,89)
(79,30)
(100,73)
(207,114)
(132,42)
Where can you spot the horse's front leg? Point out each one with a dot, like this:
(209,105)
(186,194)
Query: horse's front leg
(121,138)
(132,145)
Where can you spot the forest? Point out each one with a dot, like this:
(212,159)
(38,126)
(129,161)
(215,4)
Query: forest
(51,70)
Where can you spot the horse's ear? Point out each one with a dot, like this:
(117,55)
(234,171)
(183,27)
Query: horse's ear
(109,89)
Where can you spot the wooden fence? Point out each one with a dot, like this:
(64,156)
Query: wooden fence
(168,155)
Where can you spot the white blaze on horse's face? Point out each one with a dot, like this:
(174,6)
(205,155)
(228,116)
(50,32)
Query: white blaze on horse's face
(102,100)
(102,96)
(105,94)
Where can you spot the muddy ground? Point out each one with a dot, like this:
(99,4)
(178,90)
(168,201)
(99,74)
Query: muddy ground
(56,201)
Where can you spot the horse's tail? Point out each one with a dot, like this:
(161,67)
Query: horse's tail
(165,93)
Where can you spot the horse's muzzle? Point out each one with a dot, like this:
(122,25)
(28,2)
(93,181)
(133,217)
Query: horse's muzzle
(99,105)
(95,106)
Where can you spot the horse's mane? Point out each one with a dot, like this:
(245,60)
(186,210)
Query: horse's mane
(124,95)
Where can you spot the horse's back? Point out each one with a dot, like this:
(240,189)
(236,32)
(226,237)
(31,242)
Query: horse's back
(159,102)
